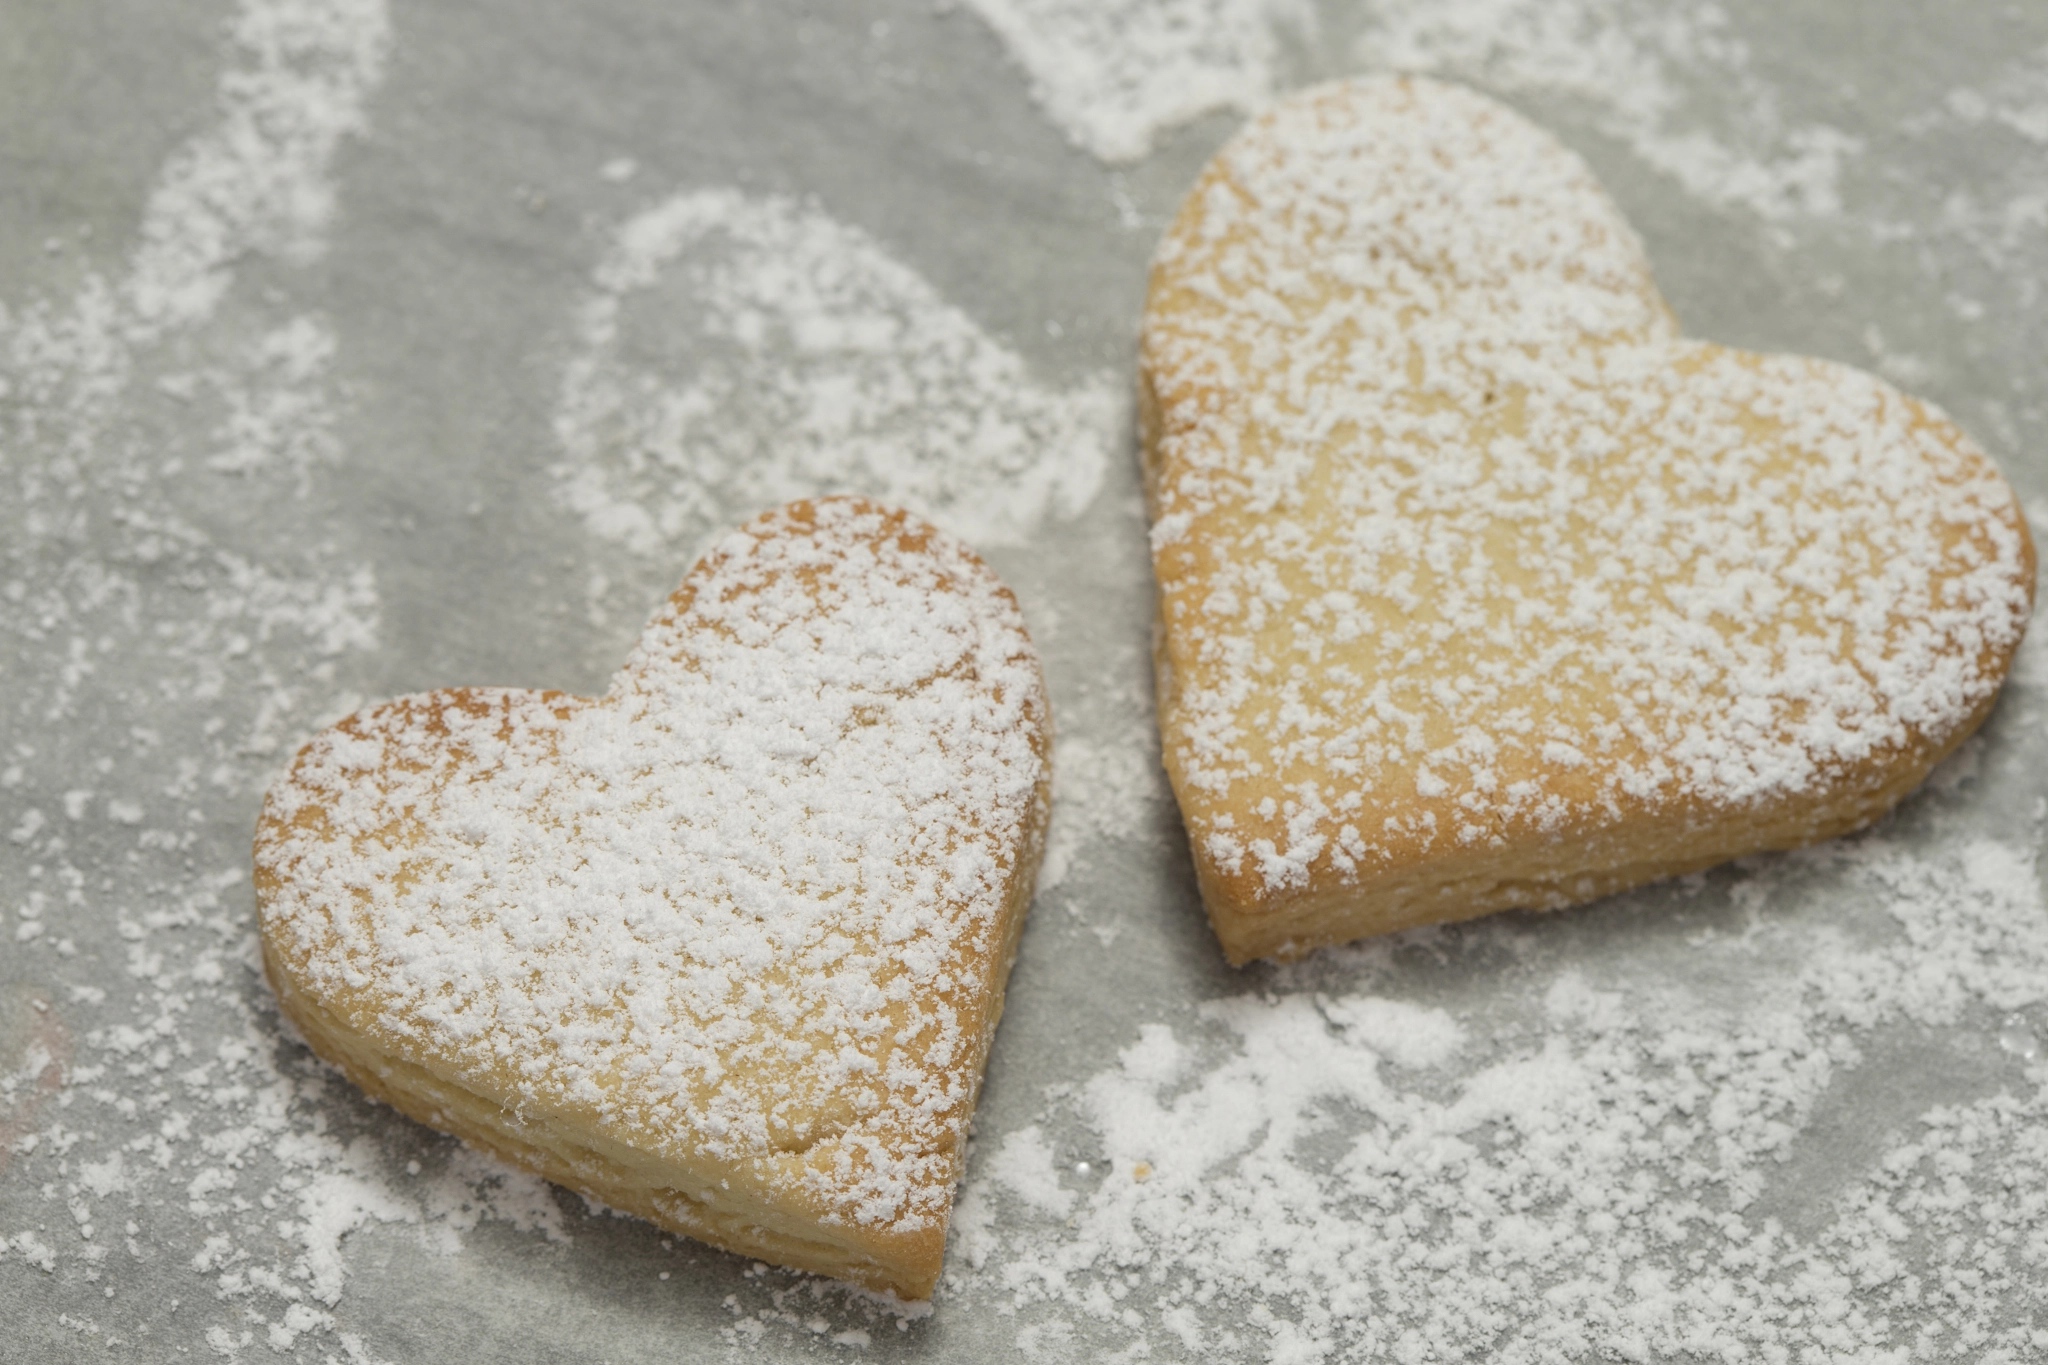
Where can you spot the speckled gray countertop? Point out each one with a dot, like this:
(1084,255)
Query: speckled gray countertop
(350,349)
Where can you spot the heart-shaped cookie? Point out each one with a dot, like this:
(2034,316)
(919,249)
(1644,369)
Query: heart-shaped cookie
(1480,587)
(724,948)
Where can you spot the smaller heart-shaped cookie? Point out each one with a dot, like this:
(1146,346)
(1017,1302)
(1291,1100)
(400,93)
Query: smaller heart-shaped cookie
(724,948)
(1480,587)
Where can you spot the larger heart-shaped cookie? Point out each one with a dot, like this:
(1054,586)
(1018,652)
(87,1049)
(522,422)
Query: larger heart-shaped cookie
(725,947)
(1481,587)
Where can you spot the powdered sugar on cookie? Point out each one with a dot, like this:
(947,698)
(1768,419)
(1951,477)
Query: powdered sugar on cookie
(721,912)
(1460,542)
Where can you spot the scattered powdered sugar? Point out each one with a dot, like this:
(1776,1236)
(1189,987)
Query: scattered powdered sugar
(158,662)
(83,450)
(2000,211)
(1108,786)
(1640,69)
(1322,1176)
(740,352)
(1115,74)
(749,904)
(1103,789)
(1460,545)
(259,181)
(2016,98)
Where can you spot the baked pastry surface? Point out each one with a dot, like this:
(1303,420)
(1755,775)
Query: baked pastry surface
(724,948)
(1480,587)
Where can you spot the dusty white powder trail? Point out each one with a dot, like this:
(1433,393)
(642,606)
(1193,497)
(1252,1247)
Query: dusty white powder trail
(740,351)
(166,665)
(1640,69)
(1118,77)
(1316,1176)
